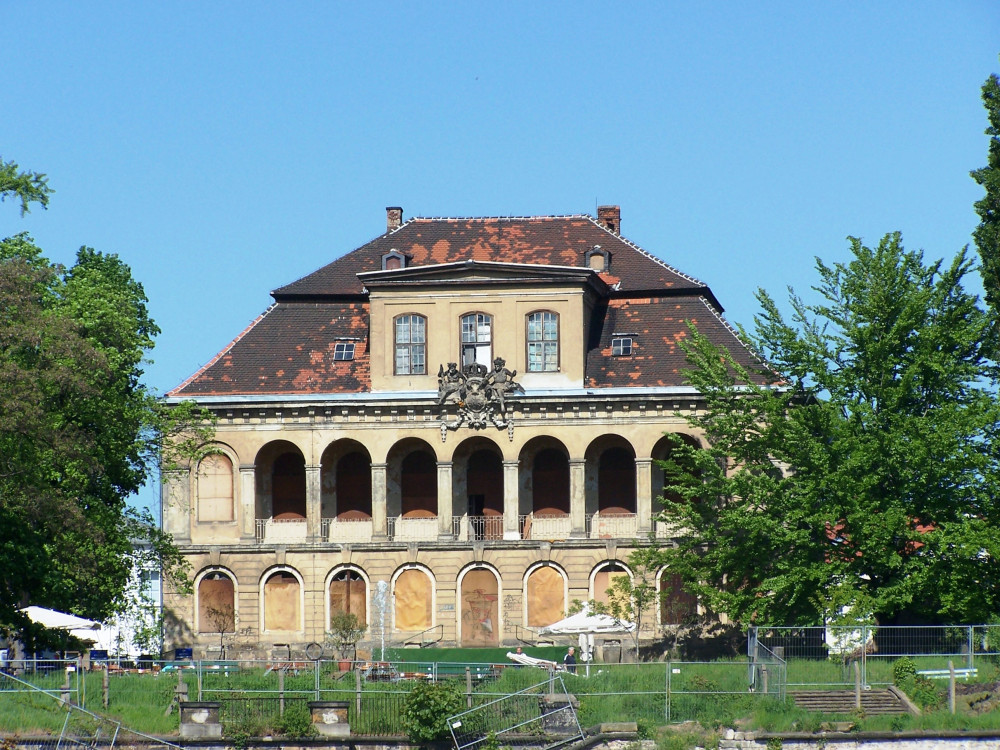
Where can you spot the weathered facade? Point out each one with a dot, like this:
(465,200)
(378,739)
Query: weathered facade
(451,431)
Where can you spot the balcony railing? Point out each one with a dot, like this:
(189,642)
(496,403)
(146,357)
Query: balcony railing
(549,528)
(281,530)
(464,528)
(469,528)
(612,526)
(346,530)
(412,529)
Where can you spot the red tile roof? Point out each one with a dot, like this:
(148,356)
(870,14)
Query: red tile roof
(289,349)
(656,327)
(545,240)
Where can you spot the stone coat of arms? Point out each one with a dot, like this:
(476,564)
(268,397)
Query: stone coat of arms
(481,396)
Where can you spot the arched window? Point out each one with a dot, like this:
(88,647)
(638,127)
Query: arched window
(604,580)
(477,340)
(216,604)
(543,342)
(281,602)
(215,488)
(677,606)
(545,596)
(413,594)
(410,336)
(349,593)
(480,603)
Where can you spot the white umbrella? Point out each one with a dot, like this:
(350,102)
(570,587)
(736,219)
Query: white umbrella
(56,620)
(586,621)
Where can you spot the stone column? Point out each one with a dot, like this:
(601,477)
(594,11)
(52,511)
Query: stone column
(511,504)
(248,500)
(444,500)
(643,494)
(378,501)
(314,505)
(578,497)
(175,503)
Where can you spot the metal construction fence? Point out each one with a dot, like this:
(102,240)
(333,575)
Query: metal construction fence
(543,708)
(819,657)
(70,725)
(259,694)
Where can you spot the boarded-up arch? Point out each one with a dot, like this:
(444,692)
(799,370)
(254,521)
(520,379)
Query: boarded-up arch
(349,593)
(216,603)
(545,596)
(603,579)
(215,488)
(677,606)
(480,611)
(282,596)
(413,593)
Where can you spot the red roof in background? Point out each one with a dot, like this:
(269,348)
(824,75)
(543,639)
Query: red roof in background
(289,349)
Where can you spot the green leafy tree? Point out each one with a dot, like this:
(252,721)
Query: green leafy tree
(856,473)
(629,598)
(79,433)
(27,187)
(346,629)
(987,234)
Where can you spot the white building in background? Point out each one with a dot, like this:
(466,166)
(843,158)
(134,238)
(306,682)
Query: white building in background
(138,629)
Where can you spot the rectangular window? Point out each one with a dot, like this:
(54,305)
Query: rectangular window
(621,347)
(477,339)
(543,342)
(343,351)
(411,342)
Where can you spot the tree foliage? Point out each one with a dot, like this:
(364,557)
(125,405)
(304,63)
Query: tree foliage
(856,472)
(427,709)
(79,432)
(27,187)
(987,234)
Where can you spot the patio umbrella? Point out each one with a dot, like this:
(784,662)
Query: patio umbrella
(56,620)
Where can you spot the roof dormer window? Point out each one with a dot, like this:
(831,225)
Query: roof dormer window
(598,259)
(393,260)
(343,351)
(621,346)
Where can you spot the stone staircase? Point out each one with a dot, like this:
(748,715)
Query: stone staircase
(842,701)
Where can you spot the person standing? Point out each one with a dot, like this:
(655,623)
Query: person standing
(570,660)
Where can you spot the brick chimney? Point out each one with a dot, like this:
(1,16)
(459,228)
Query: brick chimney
(393,218)
(610,217)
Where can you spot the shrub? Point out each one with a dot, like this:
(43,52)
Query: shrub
(296,722)
(427,708)
(903,670)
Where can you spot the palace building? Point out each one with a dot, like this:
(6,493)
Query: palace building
(451,431)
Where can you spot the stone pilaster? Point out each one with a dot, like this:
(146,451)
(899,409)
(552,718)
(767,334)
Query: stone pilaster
(511,506)
(578,497)
(378,501)
(444,500)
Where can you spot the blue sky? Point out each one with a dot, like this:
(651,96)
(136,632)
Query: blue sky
(224,149)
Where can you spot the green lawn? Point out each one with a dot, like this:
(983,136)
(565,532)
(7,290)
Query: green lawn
(714,694)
